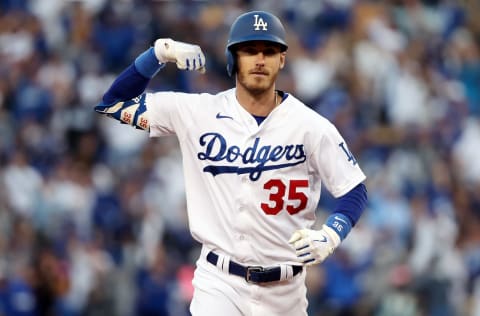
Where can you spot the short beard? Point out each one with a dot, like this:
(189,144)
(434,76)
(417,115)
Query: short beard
(255,90)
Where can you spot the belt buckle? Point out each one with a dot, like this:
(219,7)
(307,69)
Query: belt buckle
(249,271)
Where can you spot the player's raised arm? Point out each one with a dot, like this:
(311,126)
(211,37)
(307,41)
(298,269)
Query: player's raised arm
(125,99)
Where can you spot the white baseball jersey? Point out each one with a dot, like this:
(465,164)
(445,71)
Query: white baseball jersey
(250,186)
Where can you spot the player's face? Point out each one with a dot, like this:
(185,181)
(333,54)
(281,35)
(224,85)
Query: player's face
(258,64)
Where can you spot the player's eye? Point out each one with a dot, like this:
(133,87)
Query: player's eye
(249,50)
(270,51)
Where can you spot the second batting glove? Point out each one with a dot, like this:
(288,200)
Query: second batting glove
(186,56)
(314,246)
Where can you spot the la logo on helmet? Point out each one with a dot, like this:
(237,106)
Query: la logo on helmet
(259,22)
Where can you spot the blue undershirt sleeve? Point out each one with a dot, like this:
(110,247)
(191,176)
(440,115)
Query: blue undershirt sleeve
(353,203)
(348,210)
(134,79)
(129,84)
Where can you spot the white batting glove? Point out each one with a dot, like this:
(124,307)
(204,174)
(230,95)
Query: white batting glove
(186,56)
(314,246)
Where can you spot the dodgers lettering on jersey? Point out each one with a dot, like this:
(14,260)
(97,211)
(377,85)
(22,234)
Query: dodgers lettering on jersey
(252,160)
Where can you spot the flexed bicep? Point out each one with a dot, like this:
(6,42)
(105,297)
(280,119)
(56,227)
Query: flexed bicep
(132,112)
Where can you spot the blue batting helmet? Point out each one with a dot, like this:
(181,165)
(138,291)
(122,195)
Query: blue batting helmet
(253,26)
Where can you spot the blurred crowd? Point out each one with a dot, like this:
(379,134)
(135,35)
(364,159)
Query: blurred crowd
(92,212)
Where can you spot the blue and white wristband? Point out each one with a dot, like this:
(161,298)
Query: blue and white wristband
(340,223)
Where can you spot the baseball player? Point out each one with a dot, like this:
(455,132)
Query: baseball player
(254,160)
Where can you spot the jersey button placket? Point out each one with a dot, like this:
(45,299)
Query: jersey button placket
(242,221)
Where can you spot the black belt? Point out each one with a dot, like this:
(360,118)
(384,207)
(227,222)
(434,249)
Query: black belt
(254,274)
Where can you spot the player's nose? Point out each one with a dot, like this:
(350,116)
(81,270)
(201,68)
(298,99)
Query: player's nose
(260,58)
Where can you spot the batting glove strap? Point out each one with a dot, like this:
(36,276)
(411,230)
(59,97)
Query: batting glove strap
(186,56)
(314,246)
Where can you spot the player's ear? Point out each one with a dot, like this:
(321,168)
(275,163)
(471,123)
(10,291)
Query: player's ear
(282,59)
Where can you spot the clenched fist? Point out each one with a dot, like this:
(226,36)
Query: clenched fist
(186,56)
(314,246)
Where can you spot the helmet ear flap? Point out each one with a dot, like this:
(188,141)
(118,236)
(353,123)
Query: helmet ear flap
(231,63)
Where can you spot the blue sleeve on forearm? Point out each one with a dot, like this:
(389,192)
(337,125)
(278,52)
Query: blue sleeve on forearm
(134,80)
(129,84)
(349,209)
(147,63)
(353,203)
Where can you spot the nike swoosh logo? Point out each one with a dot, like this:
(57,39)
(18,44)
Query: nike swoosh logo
(324,239)
(340,219)
(220,116)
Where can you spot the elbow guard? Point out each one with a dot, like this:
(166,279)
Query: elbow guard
(132,112)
